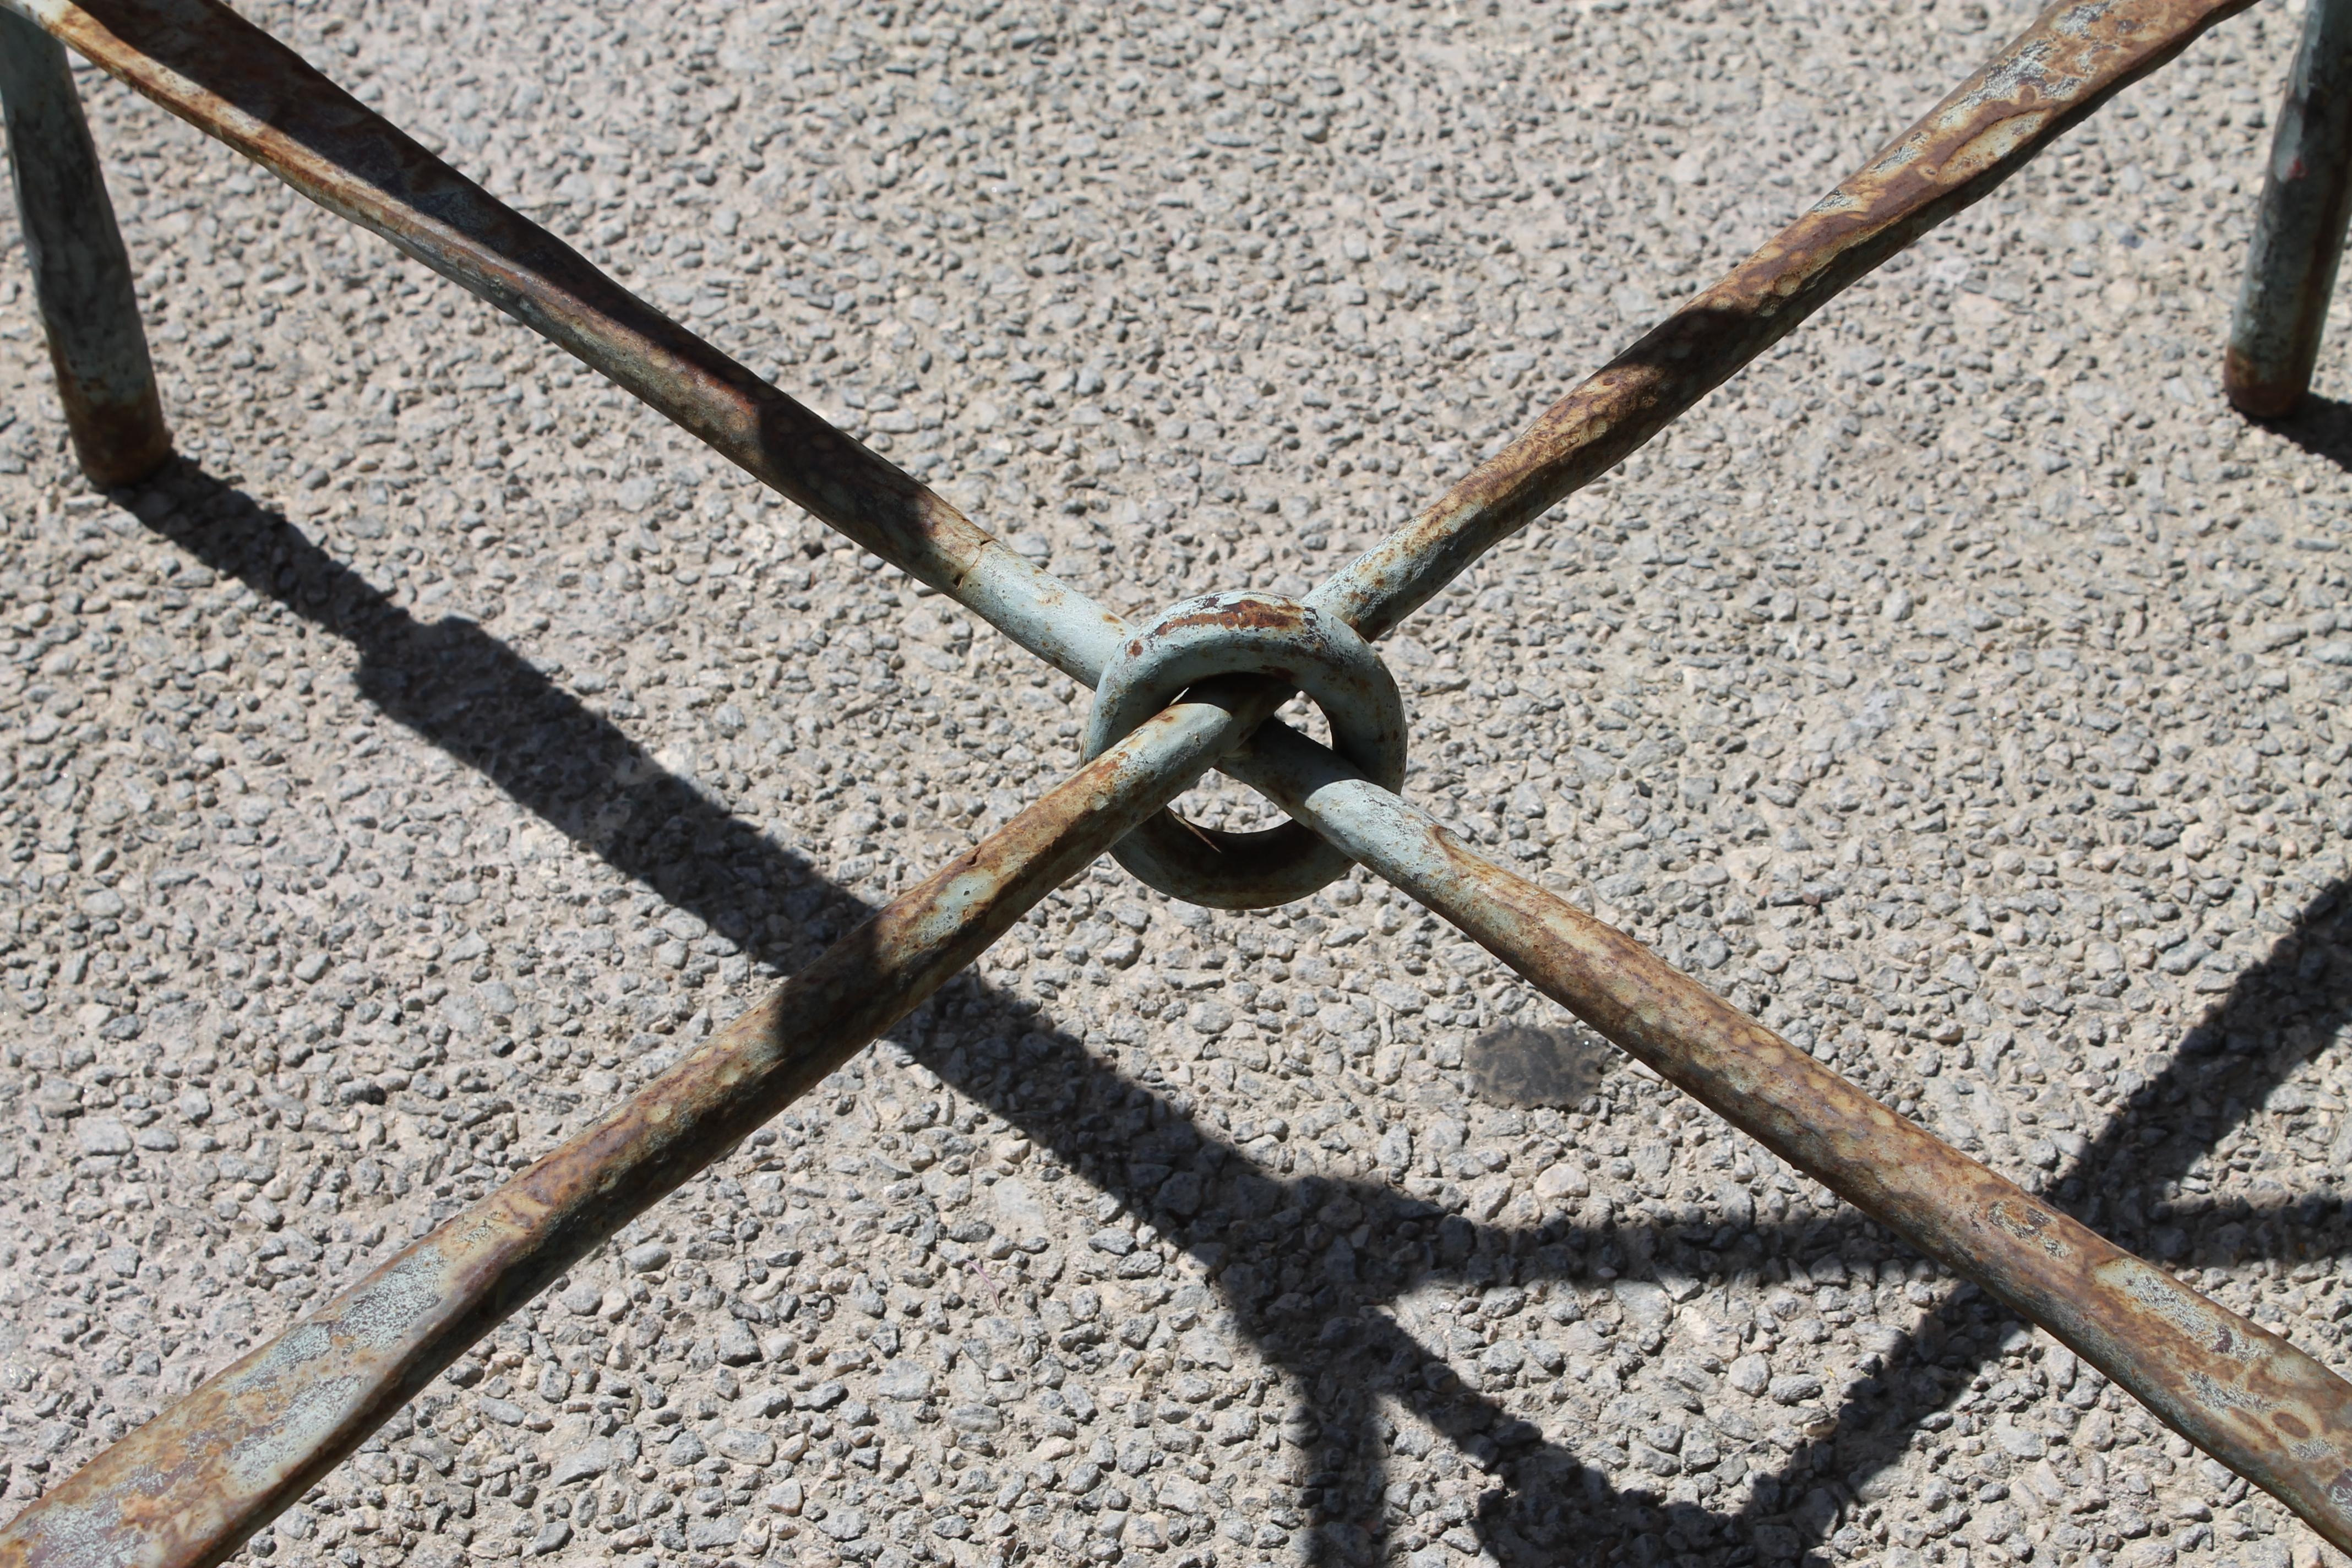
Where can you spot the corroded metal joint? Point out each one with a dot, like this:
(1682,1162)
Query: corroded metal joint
(1248,633)
(190,1486)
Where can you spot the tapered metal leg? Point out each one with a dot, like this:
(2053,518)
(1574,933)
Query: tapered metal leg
(2299,232)
(81,273)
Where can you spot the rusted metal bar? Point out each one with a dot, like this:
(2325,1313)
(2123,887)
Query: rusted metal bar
(81,273)
(2244,1395)
(203,62)
(210,1470)
(2074,58)
(213,1468)
(1254,634)
(189,1487)
(2299,228)
(230,79)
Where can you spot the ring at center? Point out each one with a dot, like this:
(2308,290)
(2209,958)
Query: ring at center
(1248,633)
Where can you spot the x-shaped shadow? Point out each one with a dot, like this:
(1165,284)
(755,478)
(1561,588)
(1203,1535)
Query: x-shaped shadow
(1323,1310)
(1315,1303)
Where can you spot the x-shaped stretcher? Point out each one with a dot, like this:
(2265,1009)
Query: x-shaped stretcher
(1195,688)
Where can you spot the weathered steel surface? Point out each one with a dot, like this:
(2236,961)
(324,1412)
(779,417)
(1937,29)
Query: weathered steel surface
(229,79)
(2074,59)
(190,1485)
(2299,228)
(209,66)
(81,273)
(2264,1408)
(209,1471)
(216,1467)
(1248,633)
(200,60)
(203,62)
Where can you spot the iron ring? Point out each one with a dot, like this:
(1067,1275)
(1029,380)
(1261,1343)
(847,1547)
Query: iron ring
(1248,633)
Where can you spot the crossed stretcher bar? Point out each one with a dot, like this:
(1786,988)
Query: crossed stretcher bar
(204,1476)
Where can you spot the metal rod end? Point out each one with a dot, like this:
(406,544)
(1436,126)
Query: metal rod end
(2256,395)
(120,445)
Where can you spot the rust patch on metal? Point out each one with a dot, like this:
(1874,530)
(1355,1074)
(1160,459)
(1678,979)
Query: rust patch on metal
(2030,1224)
(192,1485)
(115,443)
(1235,612)
(2256,393)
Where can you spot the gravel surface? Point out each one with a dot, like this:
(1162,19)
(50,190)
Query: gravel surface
(447,742)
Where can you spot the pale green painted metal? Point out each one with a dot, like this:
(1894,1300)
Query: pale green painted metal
(1248,632)
(2299,228)
(208,1473)
(81,270)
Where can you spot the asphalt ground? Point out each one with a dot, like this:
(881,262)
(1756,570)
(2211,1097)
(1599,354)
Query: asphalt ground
(444,742)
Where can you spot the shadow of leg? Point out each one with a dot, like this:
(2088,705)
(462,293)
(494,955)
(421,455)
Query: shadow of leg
(2275,1016)
(2320,426)
(487,707)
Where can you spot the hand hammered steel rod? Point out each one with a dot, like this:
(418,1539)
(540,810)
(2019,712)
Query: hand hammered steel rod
(2266,1409)
(81,270)
(234,82)
(2298,240)
(203,62)
(2075,56)
(192,1485)
(2113,1309)
(231,79)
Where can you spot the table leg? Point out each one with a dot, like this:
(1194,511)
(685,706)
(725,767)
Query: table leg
(2299,232)
(81,273)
